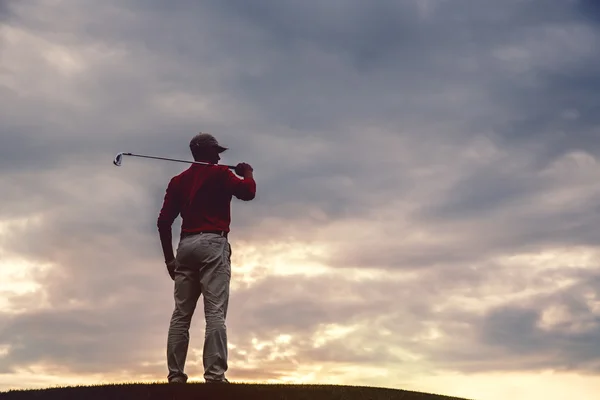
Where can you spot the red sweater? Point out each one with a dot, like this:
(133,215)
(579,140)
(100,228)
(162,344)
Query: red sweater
(202,195)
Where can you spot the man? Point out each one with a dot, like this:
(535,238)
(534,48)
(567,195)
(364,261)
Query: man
(202,194)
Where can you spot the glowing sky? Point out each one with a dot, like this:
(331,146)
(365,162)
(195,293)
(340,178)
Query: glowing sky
(428,206)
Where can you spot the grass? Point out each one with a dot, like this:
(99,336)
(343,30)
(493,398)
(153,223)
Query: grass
(194,391)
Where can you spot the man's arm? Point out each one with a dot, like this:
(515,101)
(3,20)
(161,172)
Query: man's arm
(243,189)
(169,211)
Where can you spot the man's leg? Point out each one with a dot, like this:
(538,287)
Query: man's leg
(214,280)
(186,294)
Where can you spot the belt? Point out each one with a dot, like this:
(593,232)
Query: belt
(187,234)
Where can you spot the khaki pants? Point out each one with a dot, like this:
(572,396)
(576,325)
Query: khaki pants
(204,268)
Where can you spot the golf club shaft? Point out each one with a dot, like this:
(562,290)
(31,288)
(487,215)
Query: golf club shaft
(176,160)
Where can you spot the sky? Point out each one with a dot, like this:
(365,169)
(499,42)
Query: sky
(427,213)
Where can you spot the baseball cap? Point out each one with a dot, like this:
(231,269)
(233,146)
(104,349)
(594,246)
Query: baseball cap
(204,141)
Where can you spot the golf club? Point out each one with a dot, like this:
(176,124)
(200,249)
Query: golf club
(119,159)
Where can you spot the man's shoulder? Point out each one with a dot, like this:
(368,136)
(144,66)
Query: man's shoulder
(209,171)
(176,179)
(224,169)
(216,170)
(186,172)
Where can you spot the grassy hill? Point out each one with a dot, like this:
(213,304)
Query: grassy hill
(163,391)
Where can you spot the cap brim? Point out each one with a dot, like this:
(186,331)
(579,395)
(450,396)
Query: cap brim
(221,149)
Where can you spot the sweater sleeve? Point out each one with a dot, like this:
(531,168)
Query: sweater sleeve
(243,189)
(171,207)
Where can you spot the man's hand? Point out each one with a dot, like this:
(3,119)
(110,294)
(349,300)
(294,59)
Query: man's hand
(171,266)
(243,169)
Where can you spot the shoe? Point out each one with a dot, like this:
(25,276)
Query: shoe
(178,380)
(224,380)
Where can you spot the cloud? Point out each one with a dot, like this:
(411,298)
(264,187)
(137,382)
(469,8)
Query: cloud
(5,11)
(427,184)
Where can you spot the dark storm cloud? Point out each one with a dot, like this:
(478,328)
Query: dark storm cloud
(391,56)
(357,118)
(513,337)
(5,11)
(570,344)
(286,305)
(589,9)
(394,314)
(81,340)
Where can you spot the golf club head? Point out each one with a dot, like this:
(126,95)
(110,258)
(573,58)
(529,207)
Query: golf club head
(118,159)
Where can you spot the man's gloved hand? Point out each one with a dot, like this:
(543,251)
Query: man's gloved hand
(171,266)
(243,169)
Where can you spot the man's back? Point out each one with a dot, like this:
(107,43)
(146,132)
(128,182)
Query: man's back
(202,196)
